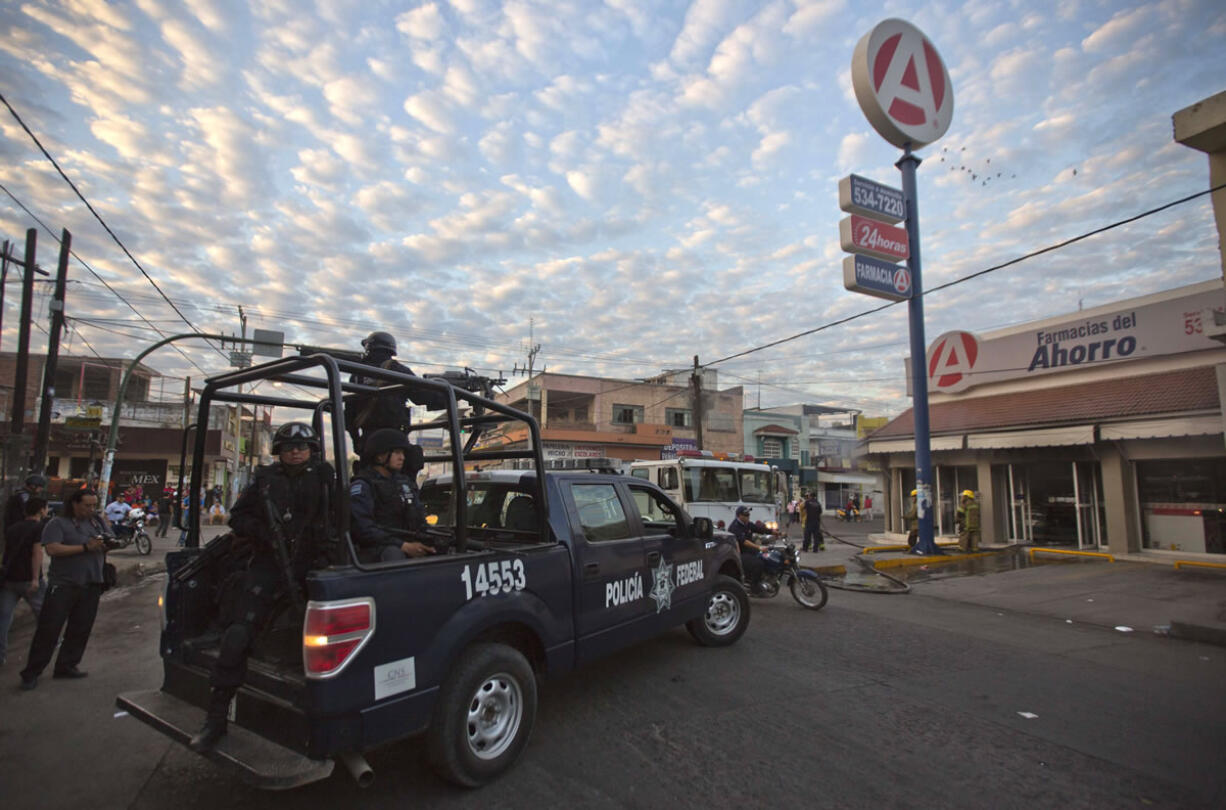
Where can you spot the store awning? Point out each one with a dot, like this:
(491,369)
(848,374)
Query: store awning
(845,478)
(1163,428)
(1046,437)
(935,443)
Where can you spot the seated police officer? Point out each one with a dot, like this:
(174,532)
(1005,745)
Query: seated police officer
(386,511)
(285,504)
(367,413)
(751,552)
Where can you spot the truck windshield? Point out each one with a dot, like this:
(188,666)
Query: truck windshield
(756,487)
(709,484)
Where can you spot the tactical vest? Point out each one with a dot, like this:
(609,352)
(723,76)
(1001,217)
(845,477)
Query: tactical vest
(396,502)
(299,503)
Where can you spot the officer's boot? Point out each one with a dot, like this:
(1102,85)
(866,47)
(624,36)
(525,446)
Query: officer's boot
(215,721)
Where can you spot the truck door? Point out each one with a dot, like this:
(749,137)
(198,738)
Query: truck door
(677,590)
(612,580)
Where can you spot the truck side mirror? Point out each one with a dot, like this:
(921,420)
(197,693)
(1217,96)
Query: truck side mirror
(703,528)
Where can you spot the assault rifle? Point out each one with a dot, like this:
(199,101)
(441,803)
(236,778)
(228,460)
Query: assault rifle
(280,547)
(470,380)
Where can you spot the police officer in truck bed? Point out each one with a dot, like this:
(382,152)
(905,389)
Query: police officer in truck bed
(367,413)
(293,492)
(388,518)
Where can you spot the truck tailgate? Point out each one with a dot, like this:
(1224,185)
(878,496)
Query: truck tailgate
(258,761)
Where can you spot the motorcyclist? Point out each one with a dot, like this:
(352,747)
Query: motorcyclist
(384,503)
(294,489)
(751,552)
(367,413)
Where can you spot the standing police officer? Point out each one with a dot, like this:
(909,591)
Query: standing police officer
(383,500)
(367,413)
(287,504)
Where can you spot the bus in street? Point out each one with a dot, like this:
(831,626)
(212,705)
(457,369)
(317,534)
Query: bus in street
(714,485)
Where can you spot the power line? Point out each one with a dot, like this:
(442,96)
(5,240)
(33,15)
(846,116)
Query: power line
(976,274)
(95,274)
(101,221)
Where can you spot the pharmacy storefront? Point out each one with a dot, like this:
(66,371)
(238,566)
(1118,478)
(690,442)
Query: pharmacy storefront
(1099,429)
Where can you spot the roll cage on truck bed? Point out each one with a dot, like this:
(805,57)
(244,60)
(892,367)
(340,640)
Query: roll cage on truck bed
(463,634)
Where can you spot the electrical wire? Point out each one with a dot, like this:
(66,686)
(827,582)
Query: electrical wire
(95,274)
(976,274)
(101,221)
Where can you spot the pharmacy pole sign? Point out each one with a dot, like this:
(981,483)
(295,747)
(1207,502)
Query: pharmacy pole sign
(904,90)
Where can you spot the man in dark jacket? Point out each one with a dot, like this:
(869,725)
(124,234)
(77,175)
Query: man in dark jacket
(813,524)
(388,518)
(14,509)
(368,413)
(23,568)
(293,492)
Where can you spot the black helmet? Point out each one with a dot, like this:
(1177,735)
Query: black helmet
(36,480)
(295,432)
(384,441)
(379,340)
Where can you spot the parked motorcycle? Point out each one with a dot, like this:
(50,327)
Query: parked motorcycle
(131,530)
(780,567)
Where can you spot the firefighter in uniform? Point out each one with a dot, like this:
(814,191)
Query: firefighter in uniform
(367,413)
(293,492)
(384,504)
(912,518)
(968,522)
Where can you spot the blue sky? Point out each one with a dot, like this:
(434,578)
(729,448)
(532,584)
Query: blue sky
(645,181)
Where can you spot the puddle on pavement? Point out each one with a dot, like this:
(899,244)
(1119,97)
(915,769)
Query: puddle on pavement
(995,563)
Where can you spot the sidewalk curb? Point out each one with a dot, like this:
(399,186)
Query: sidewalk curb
(1185,631)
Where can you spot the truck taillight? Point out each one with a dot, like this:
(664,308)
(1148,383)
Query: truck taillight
(332,634)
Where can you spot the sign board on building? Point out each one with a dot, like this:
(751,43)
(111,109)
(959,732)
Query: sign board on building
(902,84)
(870,237)
(82,422)
(565,450)
(875,277)
(859,195)
(679,443)
(1154,326)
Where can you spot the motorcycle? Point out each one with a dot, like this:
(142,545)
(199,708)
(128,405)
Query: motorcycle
(131,530)
(780,567)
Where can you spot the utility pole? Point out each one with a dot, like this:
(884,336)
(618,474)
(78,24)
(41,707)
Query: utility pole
(53,355)
(696,379)
(4,278)
(532,349)
(23,336)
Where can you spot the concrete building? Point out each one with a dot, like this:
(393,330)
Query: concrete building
(1097,429)
(151,425)
(625,419)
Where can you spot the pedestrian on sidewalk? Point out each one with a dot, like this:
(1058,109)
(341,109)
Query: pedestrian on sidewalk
(912,518)
(77,547)
(164,511)
(813,524)
(792,504)
(23,568)
(968,522)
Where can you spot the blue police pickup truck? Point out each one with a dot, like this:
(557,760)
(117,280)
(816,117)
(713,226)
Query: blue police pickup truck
(537,572)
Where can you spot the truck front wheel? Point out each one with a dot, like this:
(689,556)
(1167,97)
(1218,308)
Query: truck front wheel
(726,617)
(484,715)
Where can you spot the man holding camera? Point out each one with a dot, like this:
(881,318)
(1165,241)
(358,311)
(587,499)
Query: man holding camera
(76,544)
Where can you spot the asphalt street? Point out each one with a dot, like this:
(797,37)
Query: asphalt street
(875,701)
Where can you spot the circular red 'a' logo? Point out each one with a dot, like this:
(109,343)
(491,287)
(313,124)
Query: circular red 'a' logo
(951,359)
(902,84)
(902,281)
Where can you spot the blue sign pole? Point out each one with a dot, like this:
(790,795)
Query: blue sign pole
(926,544)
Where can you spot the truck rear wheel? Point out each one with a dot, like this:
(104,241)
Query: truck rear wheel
(484,715)
(726,617)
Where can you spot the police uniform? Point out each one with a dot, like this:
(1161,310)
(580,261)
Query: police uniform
(751,559)
(299,500)
(367,413)
(379,502)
